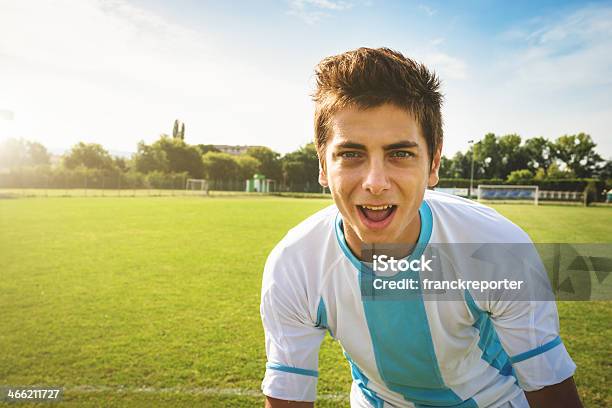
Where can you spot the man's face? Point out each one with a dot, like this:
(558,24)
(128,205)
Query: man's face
(377,167)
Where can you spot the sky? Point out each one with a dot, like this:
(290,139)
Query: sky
(241,72)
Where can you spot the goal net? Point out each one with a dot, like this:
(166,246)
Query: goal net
(197,186)
(508,193)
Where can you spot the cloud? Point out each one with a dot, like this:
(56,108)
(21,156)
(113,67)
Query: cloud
(447,66)
(566,53)
(114,73)
(548,76)
(313,11)
(427,10)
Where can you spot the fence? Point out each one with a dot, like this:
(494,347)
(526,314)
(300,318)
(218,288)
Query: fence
(81,192)
(561,195)
(100,184)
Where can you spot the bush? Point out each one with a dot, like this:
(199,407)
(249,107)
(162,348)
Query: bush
(590,192)
(63,178)
(520,177)
(158,179)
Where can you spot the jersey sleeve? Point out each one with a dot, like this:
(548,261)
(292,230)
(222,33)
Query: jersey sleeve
(529,332)
(291,334)
(528,329)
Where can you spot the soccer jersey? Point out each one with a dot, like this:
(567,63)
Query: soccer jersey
(404,353)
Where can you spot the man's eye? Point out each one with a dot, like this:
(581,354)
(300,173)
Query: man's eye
(350,155)
(402,154)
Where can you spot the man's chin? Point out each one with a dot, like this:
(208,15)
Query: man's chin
(368,237)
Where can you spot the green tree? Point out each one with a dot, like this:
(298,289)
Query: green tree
(175,129)
(220,166)
(513,156)
(206,148)
(247,167)
(460,166)
(523,176)
(13,153)
(89,155)
(270,161)
(554,172)
(121,163)
(540,174)
(150,158)
(578,153)
(16,153)
(178,130)
(38,154)
(539,152)
(498,156)
(605,171)
(487,158)
(181,156)
(301,167)
(445,167)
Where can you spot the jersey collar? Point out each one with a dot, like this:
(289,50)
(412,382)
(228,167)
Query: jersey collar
(424,236)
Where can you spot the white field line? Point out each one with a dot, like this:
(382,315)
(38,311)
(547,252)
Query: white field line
(211,391)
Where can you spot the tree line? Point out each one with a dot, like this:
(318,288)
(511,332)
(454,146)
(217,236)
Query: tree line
(170,160)
(510,159)
(165,163)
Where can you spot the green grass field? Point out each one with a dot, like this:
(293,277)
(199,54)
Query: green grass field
(155,301)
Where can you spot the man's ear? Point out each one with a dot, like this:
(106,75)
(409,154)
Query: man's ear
(435,168)
(322,174)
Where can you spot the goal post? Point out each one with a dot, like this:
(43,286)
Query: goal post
(200,185)
(508,193)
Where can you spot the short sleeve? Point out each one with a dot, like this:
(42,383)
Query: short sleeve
(292,337)
(528,330)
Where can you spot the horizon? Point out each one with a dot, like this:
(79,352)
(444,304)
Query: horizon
(114,73)
(56,152)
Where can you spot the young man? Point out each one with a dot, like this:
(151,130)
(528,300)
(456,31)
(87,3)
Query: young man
(378,132)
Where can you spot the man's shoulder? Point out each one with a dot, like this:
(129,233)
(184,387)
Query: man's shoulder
(313,228)
(306,242)
(459,219)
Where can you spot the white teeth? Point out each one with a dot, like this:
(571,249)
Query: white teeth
(377,207)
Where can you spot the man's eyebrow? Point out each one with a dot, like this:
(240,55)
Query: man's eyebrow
(350,145)
(398,145)
(401,145)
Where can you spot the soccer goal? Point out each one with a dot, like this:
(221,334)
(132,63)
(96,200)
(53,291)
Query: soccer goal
(508,193)
(197,185)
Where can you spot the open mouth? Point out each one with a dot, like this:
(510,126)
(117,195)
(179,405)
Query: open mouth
(376,216)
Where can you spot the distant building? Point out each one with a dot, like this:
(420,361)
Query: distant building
(233,150)
(55,159)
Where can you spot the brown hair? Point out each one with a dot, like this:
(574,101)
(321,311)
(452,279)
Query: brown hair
(367,78)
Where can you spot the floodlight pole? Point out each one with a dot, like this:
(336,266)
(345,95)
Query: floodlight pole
(471,142)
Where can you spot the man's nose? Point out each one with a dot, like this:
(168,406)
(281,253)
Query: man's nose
(376,181)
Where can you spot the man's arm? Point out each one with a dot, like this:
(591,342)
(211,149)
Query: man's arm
(527,324)
(562,395)
(277,403)
(292,335)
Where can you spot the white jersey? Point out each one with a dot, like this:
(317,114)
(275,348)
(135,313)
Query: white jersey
(468,353)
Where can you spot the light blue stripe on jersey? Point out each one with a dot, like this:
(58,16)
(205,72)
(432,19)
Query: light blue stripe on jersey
(401,338)
(294,370)
(538,350)
(492,350)
(362,382)
(322,317)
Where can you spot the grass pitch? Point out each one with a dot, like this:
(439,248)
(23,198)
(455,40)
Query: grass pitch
(155,301)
